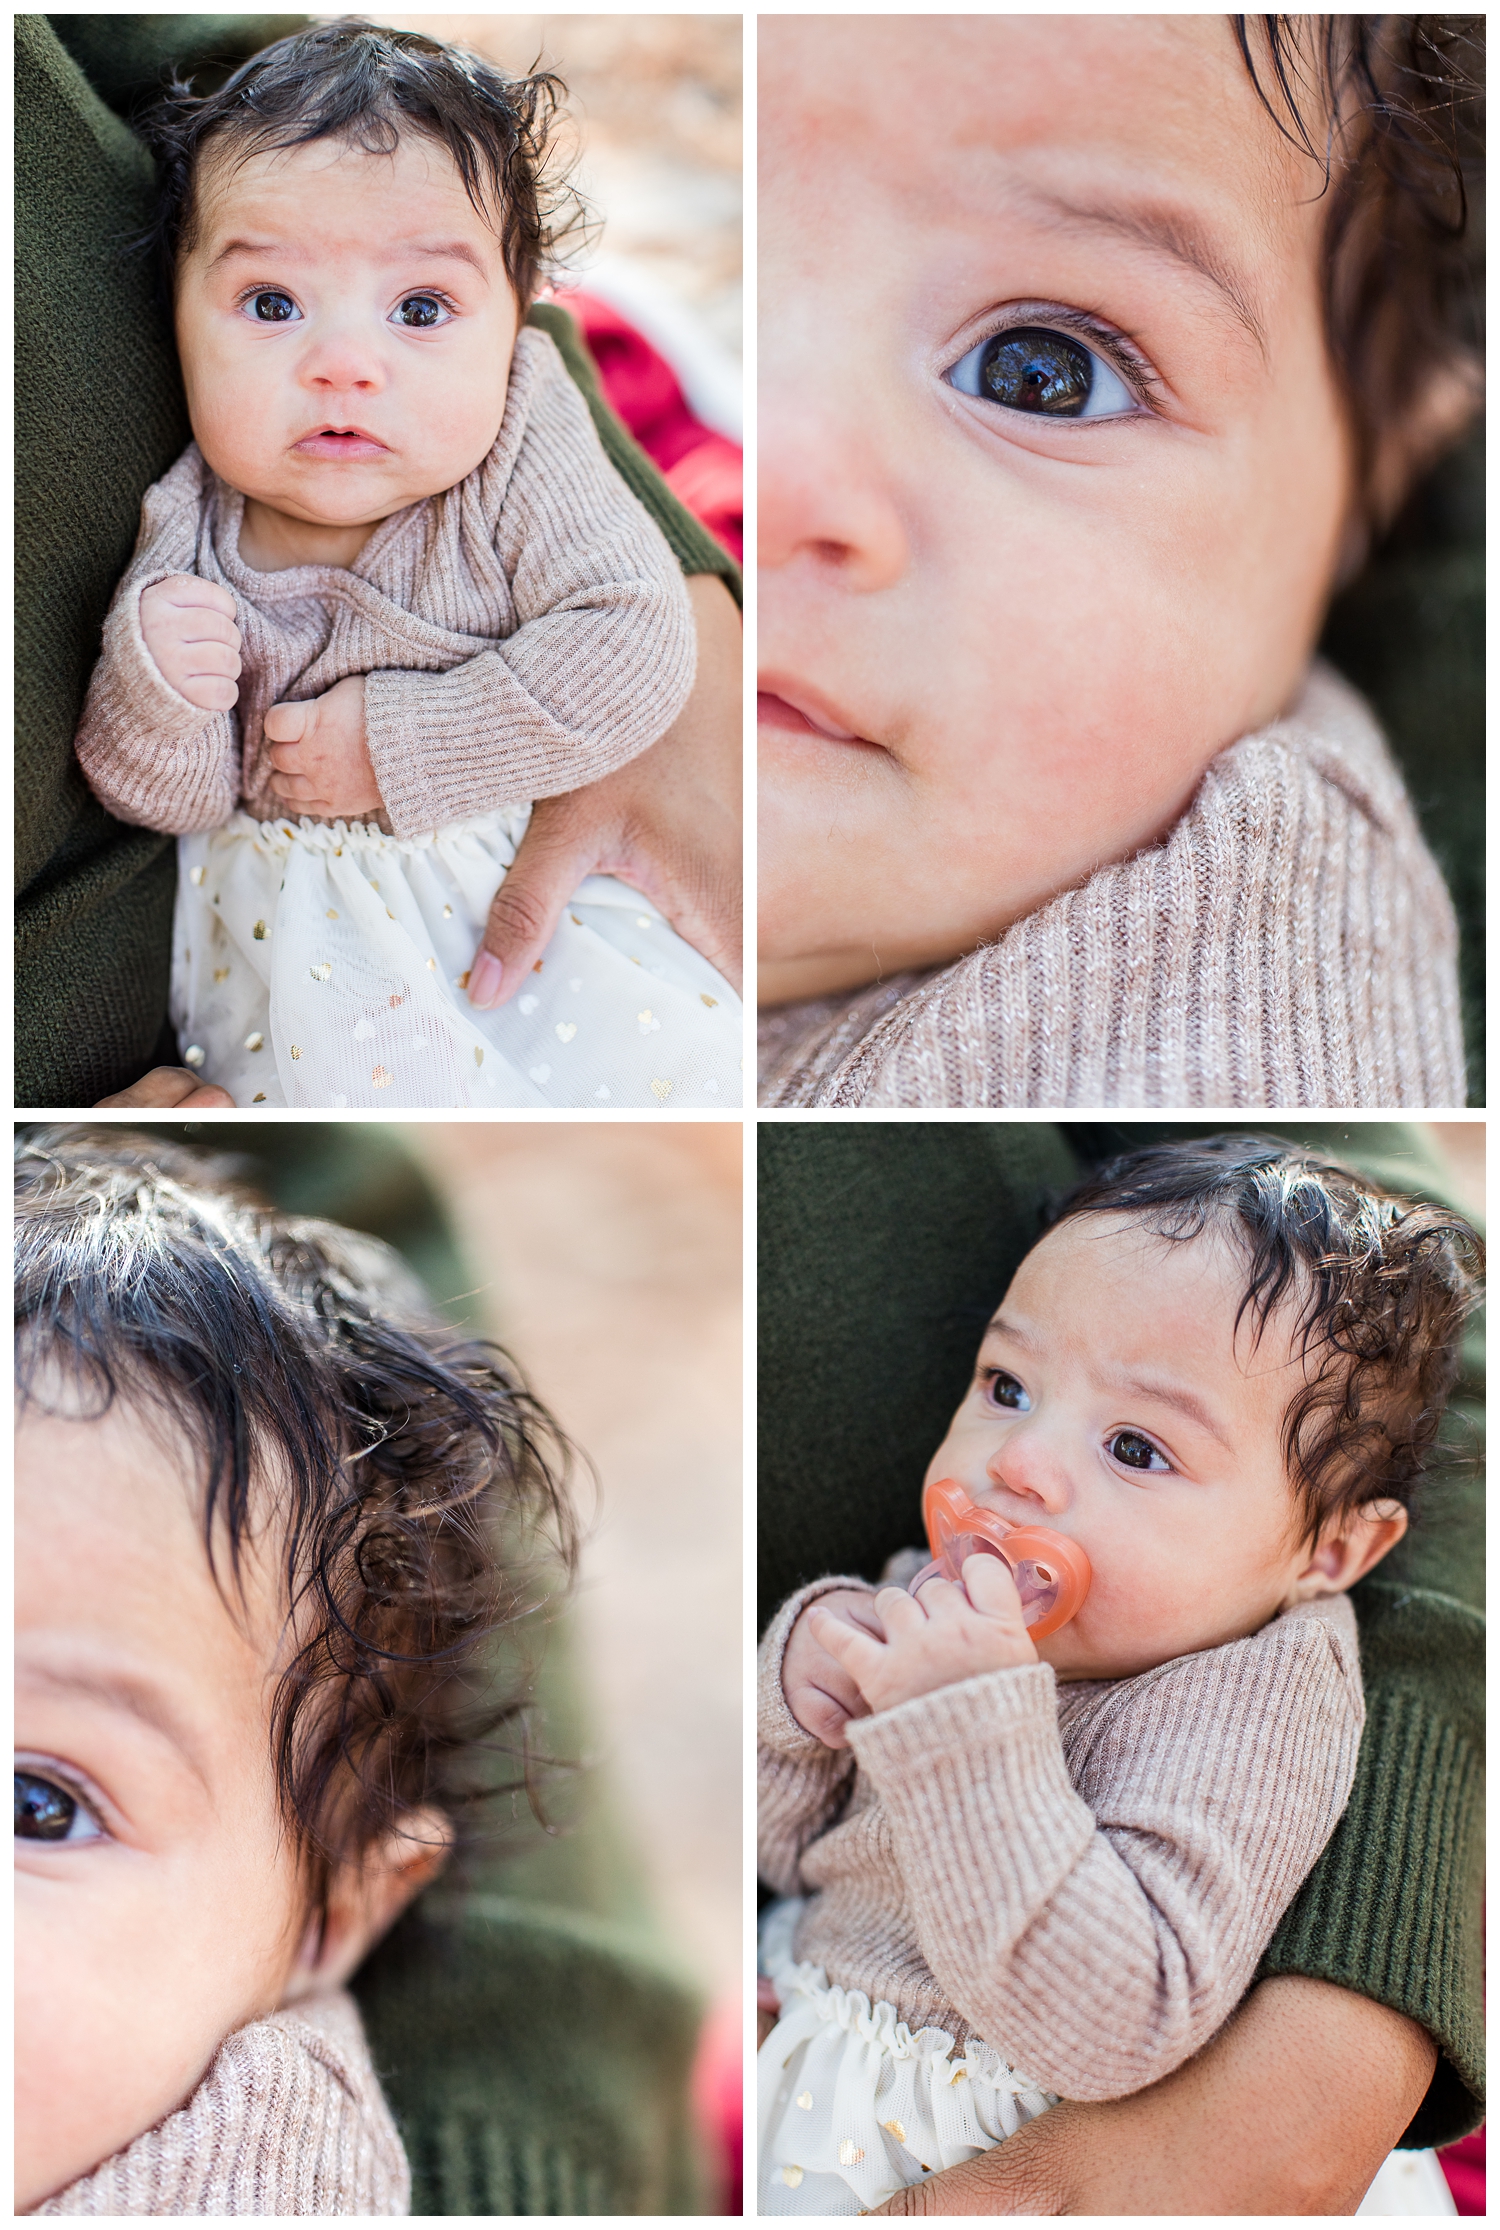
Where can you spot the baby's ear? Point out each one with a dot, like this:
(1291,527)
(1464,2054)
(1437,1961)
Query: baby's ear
(366,1898)
(1353,1545)
(1434,418)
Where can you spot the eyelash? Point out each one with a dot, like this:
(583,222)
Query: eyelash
(1118,350)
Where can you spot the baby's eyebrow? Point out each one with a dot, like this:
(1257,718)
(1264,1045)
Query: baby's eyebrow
(122,1690)
(1168,230)
(1176,1397)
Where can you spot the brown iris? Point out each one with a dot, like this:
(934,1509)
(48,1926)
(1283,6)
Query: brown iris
(1030,369)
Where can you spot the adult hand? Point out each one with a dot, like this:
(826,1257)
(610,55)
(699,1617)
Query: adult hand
(1290,2110)
(669,824)
(821,1695)
(169,1088)
(321,757)
(189,629)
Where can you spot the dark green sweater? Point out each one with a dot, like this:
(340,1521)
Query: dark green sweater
(100,414)
(884,1248)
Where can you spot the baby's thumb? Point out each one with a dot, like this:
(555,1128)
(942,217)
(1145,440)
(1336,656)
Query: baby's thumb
(285,723)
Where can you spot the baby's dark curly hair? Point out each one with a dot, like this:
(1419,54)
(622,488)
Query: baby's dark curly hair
(1380,1288)
(416,1490)
(367,85)
(1391,110)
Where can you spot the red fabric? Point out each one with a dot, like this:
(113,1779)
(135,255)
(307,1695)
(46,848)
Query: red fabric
(719,2104)
(1463,2165)
(703,470)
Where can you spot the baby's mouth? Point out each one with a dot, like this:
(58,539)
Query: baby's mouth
(339,441)
(775,709)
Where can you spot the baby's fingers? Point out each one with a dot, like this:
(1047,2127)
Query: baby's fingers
(848,1645)
(186,590)
(286,723)
(991,1588)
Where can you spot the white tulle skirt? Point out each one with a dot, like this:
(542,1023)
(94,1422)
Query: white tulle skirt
(326,966)
(853,2107)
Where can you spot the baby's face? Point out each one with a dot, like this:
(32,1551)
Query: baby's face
(1014,595)
(166,1912)
(345,325)
(1113,1402)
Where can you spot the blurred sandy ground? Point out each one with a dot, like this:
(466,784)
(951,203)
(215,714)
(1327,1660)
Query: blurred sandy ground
(611,1257)
(656,101)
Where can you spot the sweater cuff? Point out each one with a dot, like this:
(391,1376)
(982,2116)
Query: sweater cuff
(955,1722)
(777,1730)
(137,678)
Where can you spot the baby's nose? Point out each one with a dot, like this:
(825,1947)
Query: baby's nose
(341,364)
(1026,1466)
(821,497)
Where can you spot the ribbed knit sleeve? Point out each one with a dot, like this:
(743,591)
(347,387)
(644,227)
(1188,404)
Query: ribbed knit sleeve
(602,658)
(289,2120)
(1290,943)
(147,754)
(1098,1934)
(801,1784)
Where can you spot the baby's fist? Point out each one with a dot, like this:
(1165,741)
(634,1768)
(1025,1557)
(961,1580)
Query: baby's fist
(945,1633)
(820,1695)
(320,754)
(189,629)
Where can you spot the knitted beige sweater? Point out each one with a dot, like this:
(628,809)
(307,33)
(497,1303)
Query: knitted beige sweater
(288,2120)
(523,634)
(1081,1874)
(1289,943)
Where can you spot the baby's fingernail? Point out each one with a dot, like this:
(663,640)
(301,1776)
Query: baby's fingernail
(485,979)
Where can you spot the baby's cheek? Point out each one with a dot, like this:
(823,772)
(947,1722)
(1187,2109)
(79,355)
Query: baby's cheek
(129,1975)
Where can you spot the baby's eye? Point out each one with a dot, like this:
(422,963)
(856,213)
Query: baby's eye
(48,1813)
(421,312)
(1008,1392)
(1030,368)
(1137,1453)
(272,307)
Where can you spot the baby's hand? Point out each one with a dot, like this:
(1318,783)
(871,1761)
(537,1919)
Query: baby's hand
(321,757)
(943,1634)
(189,629)
(820,1695)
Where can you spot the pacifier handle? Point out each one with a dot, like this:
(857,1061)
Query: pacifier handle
(1052,1573)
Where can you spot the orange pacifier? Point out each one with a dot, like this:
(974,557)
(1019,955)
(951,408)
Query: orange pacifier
(1052,1573)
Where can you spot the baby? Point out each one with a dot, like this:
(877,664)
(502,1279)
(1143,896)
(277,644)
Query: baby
(257,1490)
(392,593)
(1016,1870)
(1078,400)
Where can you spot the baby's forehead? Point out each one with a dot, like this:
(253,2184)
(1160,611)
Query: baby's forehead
(1109,1280)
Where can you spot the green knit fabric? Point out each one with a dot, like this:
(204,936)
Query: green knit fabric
(883,1250)
(100,414)
(533,2032)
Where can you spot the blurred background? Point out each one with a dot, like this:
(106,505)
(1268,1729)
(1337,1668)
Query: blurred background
(607,1259)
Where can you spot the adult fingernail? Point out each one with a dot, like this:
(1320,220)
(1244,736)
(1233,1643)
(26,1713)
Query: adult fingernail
(485,979)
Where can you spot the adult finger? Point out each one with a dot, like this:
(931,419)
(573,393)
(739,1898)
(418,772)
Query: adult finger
(168,1088)
(549,865)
